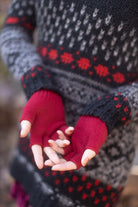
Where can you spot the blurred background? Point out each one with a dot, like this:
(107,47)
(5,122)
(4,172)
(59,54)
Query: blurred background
(11,102)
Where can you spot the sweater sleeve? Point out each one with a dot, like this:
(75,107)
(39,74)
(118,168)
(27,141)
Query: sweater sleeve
(18,50)
(117,107)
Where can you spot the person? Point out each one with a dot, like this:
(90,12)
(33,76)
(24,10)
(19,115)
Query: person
(80,81)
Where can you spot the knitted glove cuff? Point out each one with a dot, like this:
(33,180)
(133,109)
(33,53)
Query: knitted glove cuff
(35,79)
(112,109)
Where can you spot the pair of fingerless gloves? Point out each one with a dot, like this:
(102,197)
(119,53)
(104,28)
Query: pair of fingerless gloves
(45,111)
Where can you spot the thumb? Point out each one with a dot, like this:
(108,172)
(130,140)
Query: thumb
(87,155)
(25,128)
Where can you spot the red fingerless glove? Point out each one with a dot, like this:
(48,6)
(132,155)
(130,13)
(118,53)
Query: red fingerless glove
(45,111)
(90,133)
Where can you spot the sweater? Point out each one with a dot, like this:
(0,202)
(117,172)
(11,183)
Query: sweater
(86,51)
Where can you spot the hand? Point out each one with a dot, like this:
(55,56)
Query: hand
(89,135)
(42,116)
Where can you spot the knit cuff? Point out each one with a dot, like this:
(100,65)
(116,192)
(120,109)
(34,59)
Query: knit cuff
(112,109)
(35,79)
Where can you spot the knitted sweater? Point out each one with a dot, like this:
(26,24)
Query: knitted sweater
(87,51)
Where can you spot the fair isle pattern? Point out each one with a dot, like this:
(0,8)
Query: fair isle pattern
(88,33)
(93,68)
(82,191)
(88,53)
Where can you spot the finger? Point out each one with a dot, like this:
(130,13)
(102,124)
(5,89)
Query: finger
(65,166)
(61,135)
(52,155)
(50,163)
(62,143)
(38,156)
(87,155)
(69,130)
(55,147)
(25,128)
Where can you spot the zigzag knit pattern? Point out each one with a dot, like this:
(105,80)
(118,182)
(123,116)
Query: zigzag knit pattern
(87,52)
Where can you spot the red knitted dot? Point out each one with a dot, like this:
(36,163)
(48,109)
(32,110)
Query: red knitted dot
(108,80)
(73,66)
(57,181)
(108,187)
(94,58)
(22,78)
(53,173)
(57,62)
(84,177)
(62,48)
(84,63)
(118,106)
(33,74)
(112,195)
(79,188)
(127,122)
(92,194)
(113,67)
(115,98)
(123,119)
(27,76)
(96,201)
(130,114)
(104,198)
(28,26)
(70,189)
(43,51)
(90,72)
(75,178)
(39,69)
(46,173)
(53,54)
(66,58)
(12,20)
(97,182)
(66,180)
(107,205)
(119,77)
(88,185)
(125,99)
(77,53)
(101,70)
(24,86)
(61,172)
(84,196)
(126,109)
(101,190)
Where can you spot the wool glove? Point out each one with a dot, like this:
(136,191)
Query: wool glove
(90,133)
(45,111)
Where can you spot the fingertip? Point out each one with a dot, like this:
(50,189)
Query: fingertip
(22,134)
(40,167)
(84,162)
(69,130)
(66,142)
(50,141)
